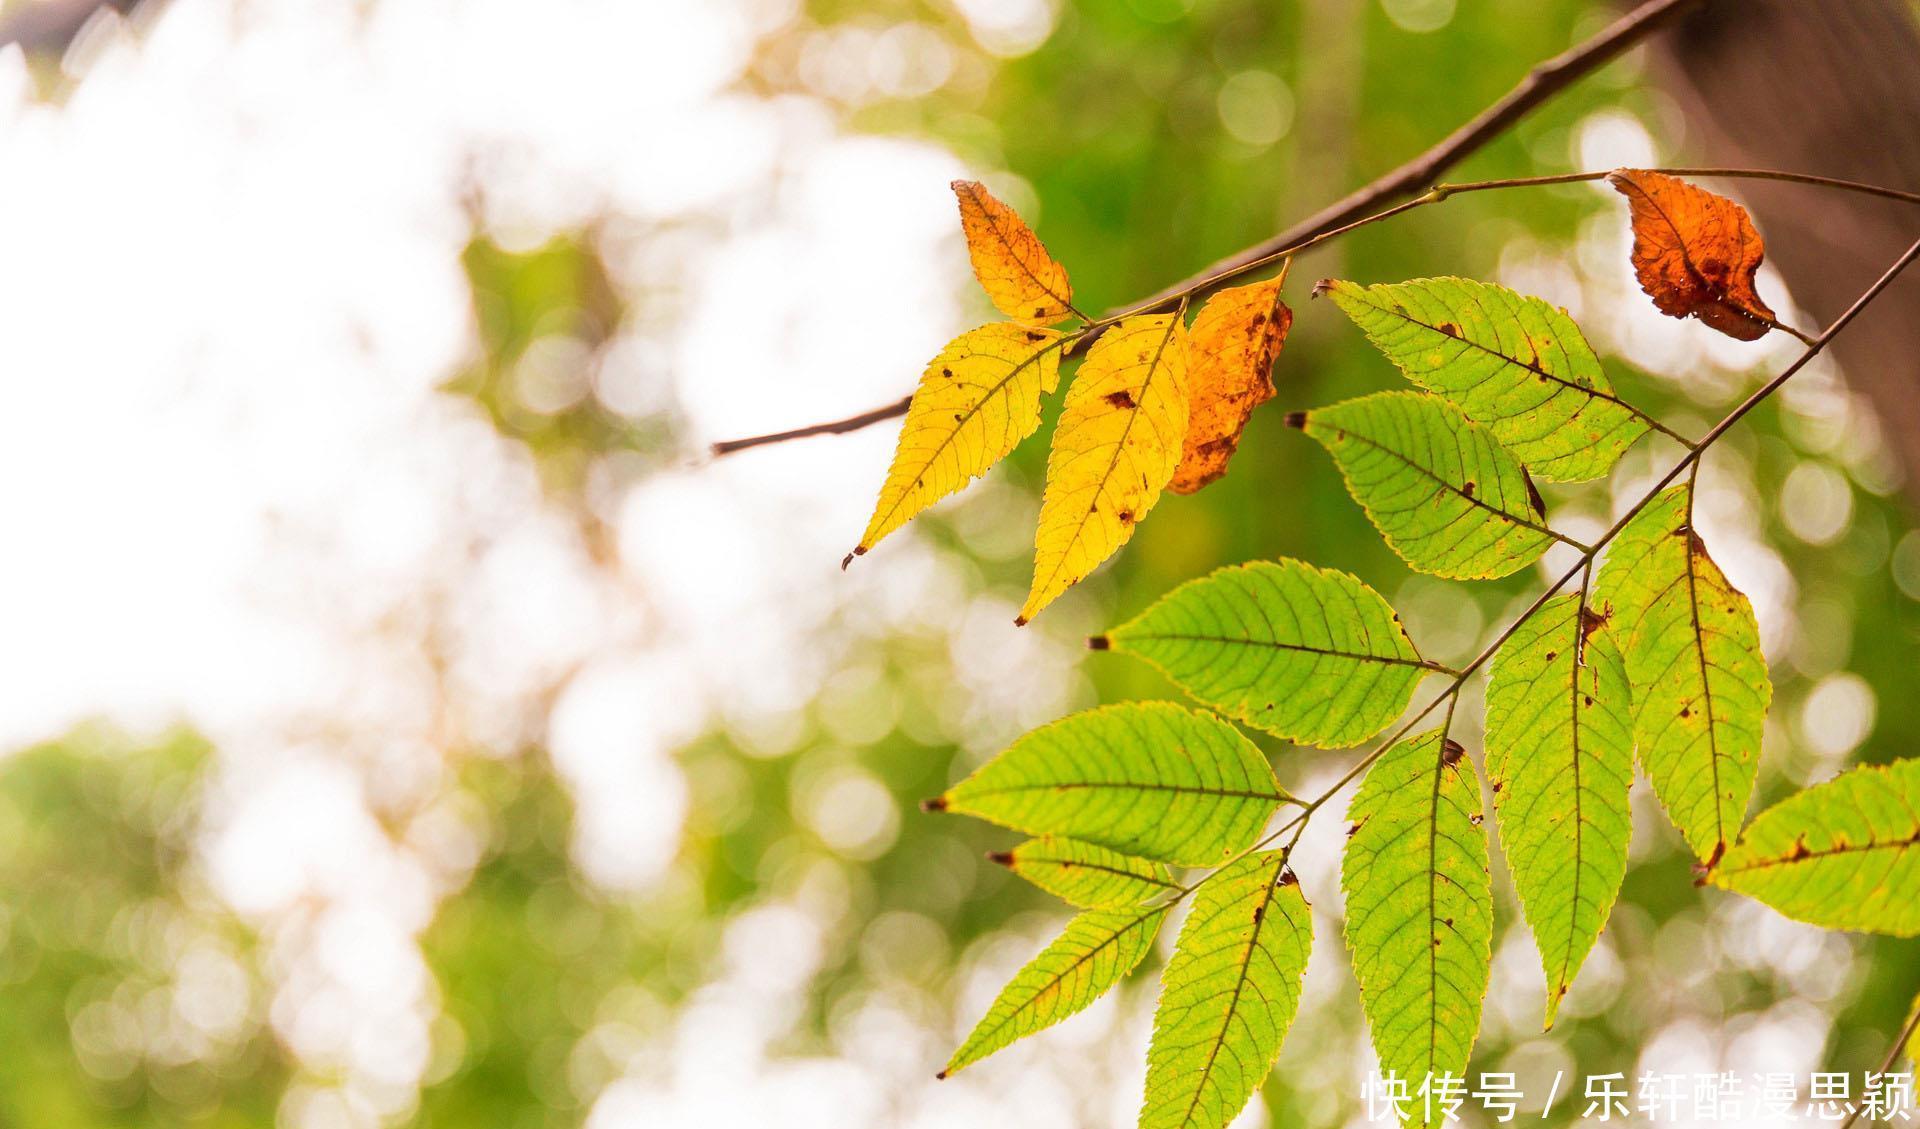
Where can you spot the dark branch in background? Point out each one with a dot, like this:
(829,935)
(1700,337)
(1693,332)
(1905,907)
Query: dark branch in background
(1540,84)
(49,27)
(1788,84)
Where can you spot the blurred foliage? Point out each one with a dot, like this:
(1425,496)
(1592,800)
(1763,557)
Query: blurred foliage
(545,317)
(128,994)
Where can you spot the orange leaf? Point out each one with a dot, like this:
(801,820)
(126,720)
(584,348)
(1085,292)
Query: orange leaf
(1695,252)
(1234,342)
(1013,267)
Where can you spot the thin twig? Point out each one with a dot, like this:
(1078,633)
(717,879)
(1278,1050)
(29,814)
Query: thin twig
(836,427)
(1900,1042)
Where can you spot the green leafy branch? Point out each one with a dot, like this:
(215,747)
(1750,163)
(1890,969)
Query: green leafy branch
(1653,657)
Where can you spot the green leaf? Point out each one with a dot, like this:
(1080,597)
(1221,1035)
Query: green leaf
(1693,657)
(1560,755)
(1228,995)
(1144,778)
(1420,905)
(1098,948)
(1842,855)
(1086,875)
(1447,497)
(1509,361)
(1312,655)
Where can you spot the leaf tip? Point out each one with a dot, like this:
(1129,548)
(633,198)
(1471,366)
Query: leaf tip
(1004,858)
(1296,420)
(1099,643)
(858,551)
(938,803)
(1323,286)
(941,1076)
(1020,621)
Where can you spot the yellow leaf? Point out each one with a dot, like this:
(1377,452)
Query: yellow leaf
(1116,447)
(976,401)
(1235,339)
(1013,267)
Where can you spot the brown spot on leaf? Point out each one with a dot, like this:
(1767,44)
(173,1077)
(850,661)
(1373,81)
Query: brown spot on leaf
(1451,751)
(1533,493)
(1592,621)
(1448,328)
(1122,399)
(1468,489)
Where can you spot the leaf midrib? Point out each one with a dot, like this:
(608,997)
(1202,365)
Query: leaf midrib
(1191,637)
(1444,484)
(1072,785)
(973,410)
(1564,382)
(1267,888)
(1100,484)
(1012,252)
(1053,982)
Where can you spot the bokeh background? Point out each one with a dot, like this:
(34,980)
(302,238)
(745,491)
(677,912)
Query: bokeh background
(407,722)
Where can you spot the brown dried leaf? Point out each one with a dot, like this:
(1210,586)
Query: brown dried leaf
(1695,252)
(1009,260)
(1234,342)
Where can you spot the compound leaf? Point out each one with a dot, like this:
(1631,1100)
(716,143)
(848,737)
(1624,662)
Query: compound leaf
(1143,778)
(1115,448)
(1228,994)
(1443,492)
(1420,906)
(1013,267)
(1513,363)
(1097,950)
(1309,654)
(1841,855)
(1086,875)
(1234,341)
(1700,686)
(1560,755)
(1695,252)
(976,401)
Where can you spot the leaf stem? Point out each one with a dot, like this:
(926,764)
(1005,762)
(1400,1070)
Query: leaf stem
(1900,1042)
(1687,464)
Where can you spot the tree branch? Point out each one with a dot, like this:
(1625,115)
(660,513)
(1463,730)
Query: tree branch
(1538,86)
(836,427)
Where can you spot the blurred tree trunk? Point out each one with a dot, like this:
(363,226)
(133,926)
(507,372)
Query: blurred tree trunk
(1830,88)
